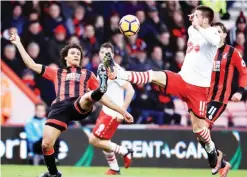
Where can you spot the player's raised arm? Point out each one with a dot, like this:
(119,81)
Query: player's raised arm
(15,39)
(211,35)
(107,102)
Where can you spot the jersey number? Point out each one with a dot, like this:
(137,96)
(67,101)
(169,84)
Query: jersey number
(191,47)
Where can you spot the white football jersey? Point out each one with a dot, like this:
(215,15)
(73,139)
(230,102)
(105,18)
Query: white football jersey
(116,93)
(201,50)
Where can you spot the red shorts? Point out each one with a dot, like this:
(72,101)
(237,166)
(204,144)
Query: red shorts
(105,126)
(194,96)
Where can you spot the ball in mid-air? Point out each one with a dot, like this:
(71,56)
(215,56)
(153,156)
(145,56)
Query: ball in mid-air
(129,25)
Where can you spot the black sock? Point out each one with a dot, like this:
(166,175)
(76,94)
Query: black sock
(97,95)
(51,164)
(223,163)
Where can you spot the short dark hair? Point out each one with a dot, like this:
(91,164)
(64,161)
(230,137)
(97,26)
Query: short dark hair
(206,12)
(107,45)
(64,53)
(221,25)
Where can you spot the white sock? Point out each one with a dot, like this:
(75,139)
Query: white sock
(118,149)
(123,75)
(112,161)
(209,147)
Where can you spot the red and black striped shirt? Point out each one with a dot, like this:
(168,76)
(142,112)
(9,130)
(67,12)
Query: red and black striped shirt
(70,82)
(225,61)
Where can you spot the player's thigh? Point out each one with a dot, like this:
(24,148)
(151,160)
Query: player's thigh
(196,102)
(50,136)
(159,78)
(105,127)
(214,110)
(85,102)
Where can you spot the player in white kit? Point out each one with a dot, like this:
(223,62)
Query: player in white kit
(108,120)
(191,84)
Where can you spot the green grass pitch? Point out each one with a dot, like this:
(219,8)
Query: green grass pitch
(34,171)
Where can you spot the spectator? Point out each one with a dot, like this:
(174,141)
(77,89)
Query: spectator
(29,80)
(74,39)
(145,28)
(54,19)
(18,20)
(118,59)
(34,131)
(6,105)
(240,41)
(78,21)
(90,42)
(33,49)
(111,27)
(140,62)
(34,33)
(240,27)
(181,44)
(118,42)
(157,26)
(99,29)
(164,43)
(178,61)
(134,45)
(57,43)
(9,57)
(33,16)
(157,62)
(95,63)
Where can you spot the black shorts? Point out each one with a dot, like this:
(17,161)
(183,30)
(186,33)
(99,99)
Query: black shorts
(214,110)
(65,111)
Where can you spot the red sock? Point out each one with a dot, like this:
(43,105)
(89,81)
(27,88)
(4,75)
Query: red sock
(140,77)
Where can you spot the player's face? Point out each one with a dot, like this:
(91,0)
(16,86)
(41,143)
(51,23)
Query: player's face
(74,57)
(40,111)
(221,33)
(199,16)
(103,51)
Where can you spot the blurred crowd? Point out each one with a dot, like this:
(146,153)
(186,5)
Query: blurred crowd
(46,27)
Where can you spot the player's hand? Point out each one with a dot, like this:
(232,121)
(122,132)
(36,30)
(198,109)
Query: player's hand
(128,117)
(236,97)
(14,38)
(191,16)
(195,22)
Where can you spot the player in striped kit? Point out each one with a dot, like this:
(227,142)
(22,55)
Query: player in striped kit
(191,84)
(76,89)
(226,60)
(108,120)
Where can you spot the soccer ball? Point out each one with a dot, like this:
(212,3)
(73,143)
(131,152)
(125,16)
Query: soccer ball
(129,25)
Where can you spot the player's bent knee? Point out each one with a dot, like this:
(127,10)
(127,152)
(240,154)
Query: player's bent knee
(93,140)
(47,144)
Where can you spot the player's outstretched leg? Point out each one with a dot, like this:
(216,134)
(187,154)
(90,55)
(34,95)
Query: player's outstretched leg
(157,77)
(50,136)
(109,146)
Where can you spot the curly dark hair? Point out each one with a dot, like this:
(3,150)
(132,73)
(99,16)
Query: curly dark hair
(64,53)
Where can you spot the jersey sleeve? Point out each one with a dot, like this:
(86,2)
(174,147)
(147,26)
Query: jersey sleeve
(92,83)
(239,63)
(211,35)
(48,72)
